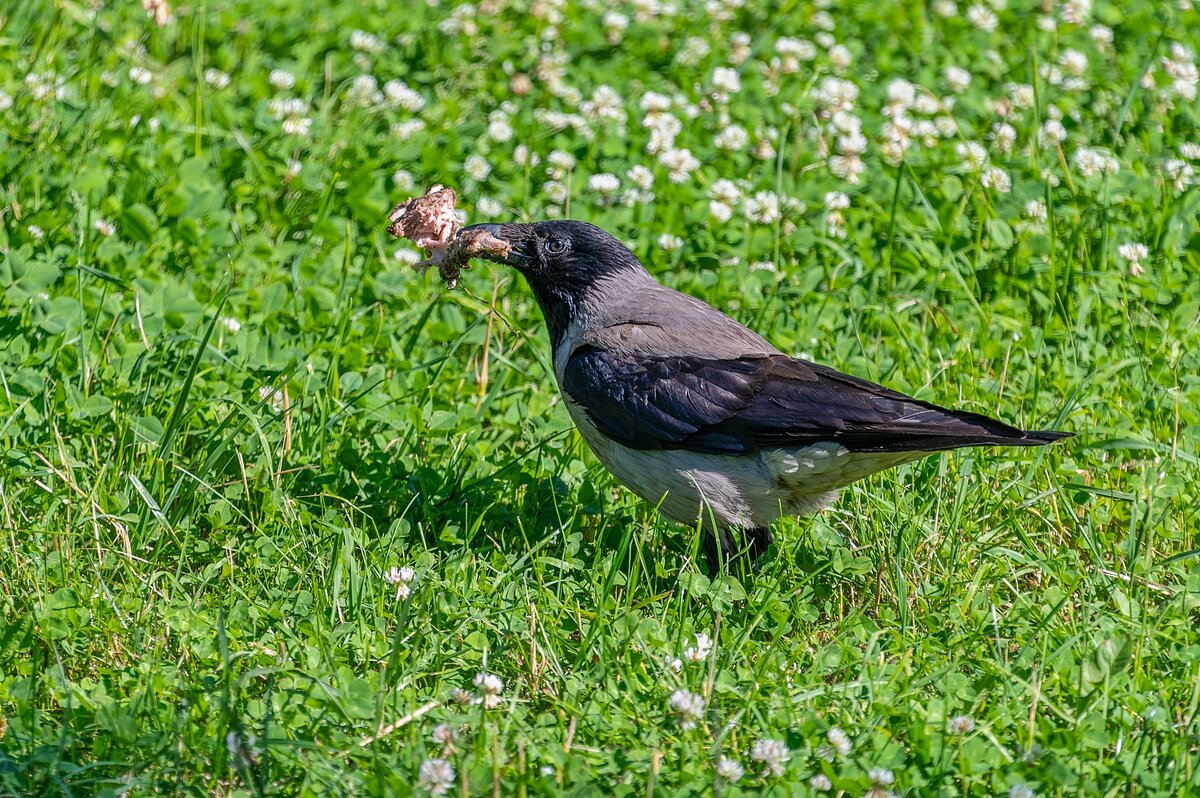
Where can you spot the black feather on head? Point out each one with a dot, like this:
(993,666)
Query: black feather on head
(562,261)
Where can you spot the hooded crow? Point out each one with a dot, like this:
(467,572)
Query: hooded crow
(699,415)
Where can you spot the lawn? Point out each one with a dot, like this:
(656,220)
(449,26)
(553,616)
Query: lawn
(284,517)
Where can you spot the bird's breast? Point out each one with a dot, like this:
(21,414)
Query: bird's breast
(735,490)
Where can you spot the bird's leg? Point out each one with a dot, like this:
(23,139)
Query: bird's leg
(722,545)
(718,547)
(759,539)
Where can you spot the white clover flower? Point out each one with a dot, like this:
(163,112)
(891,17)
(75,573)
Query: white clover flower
(764,150)
(606,104)
(489,687)
(848,167)
(1035,210)
(1102,35)
(653,101)
(281,107)
(663,129)
(693,51)
(366,42)
(140,75)
(1179,173)
(35,232)
(1004,136)
(840,56)
(364,91)
(729,769)
(965,724)
(670,243)
(216,78)
(398,93)
(839,740)
(297,126)
(681,163)
(982,17)
(762,266)
(436,776)
(1077,12)
(926,104)
(836,94)
(901,92)
(820,783)
(444,734)
(1021,791)
(881,777)
(1190,150)
(103,226)
(762,208)
(771,753)
(555,191)
(720,211)
(405,130)
(499,130)
(604,183)
(477,167)
(403,579)
(1052,132)
(726,80)
(47,85)
(409,257)
(561,160)
(673,663)
(703,647)
(945,8)
(231,324)
(641,177)
(523,157)
(281,79)
(1091,161)
(836,201)
(688,709)
(403,180)
(732,138)
(957,78)
(996,179)
(294,167)
(739,47)
(1021,94)
(725,191)
(972,154)
(1135,253)
(1073,61)
(615,24)
(488,206)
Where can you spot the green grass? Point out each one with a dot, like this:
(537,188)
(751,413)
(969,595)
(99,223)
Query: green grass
(222,424)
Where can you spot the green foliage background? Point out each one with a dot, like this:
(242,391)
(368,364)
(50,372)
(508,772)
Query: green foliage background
(222,425)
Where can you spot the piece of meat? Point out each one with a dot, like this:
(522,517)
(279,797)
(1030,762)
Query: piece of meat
(430,223)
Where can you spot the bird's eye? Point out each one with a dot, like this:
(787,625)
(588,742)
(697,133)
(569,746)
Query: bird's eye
(555,246)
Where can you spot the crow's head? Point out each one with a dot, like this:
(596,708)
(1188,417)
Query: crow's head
(562,252)
(564,263)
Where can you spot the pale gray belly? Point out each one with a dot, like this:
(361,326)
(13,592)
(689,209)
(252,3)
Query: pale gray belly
(744,491)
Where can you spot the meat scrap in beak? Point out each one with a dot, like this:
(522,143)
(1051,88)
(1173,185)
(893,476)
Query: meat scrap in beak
(430,223)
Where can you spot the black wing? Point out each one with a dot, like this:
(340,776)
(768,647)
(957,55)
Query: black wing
(738,406)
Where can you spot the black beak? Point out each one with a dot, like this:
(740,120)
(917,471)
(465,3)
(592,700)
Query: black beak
(516,235)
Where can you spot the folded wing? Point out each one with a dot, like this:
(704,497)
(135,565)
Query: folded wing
(741,405)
